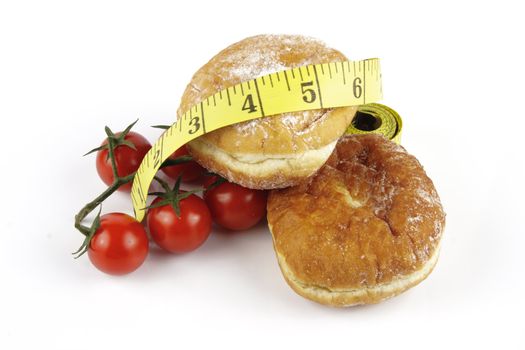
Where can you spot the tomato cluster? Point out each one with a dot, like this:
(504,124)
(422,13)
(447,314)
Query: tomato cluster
(177,221)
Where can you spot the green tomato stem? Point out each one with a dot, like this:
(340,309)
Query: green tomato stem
(89,207)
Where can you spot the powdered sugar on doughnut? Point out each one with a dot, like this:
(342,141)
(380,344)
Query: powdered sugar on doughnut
(255,61)
(254,65)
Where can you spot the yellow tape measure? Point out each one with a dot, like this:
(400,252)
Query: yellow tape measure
(375,118)
(315,86)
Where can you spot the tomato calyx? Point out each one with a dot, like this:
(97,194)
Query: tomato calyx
(215,179)
(115,140)
(87,240)
(176,161)
(171,196)
(163,127)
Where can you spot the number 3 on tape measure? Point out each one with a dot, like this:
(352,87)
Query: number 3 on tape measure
(326,85)
(195,125)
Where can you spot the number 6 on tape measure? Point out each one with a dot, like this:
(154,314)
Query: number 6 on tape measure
(325,85)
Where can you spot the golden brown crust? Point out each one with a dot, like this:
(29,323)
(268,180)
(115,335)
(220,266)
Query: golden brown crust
(368,218)
(363,295)
(285,134)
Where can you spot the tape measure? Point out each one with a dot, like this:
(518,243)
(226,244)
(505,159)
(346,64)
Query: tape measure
(314,86)
(375,118)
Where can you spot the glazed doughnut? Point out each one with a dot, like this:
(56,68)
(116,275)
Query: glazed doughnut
(275,151)
(365,228)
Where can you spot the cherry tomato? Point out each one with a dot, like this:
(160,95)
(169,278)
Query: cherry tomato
(119,246)
(180,234)
(235,207)
(190,171)
(127,159)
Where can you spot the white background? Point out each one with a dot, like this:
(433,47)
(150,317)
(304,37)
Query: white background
(454,71)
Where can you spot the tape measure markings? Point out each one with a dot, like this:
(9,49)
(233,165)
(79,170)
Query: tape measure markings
(318,88)
(258,96)
(305,88)
(364,84)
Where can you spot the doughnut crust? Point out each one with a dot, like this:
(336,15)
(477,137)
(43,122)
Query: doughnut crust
(275,151)
(365,228)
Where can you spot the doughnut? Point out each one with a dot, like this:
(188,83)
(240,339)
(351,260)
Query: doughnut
(275,151)
(364,228)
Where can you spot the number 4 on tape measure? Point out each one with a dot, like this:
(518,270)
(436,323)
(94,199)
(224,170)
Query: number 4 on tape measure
(315,86)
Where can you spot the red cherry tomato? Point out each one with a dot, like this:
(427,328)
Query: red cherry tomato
(119,246)
(127,159)
(235,207)
(191,171)
(180,234)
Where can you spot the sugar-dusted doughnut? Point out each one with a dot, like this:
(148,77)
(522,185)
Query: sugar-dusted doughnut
(275,151)
(365,228)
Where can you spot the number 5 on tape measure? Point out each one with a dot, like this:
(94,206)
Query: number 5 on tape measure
(315,86)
